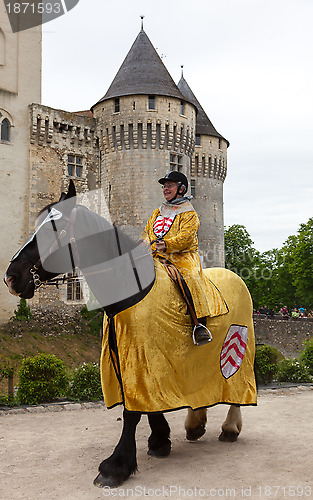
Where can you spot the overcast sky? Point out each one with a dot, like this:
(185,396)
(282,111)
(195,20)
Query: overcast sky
(249,63)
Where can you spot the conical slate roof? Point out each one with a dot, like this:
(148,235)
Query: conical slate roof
(203,124)
(142,72)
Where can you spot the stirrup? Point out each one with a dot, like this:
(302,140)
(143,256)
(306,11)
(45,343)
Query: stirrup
(206,335)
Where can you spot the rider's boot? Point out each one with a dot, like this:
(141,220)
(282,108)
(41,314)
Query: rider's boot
(201,335)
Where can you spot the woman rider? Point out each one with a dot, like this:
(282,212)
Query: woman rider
(173,230)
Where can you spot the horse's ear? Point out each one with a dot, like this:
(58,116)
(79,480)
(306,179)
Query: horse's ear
(71,190)
(62,197)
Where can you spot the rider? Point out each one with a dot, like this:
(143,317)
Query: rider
(172,232)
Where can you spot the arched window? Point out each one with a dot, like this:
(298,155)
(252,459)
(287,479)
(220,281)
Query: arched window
(5,130)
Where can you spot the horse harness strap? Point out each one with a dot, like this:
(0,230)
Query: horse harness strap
(176,276)
(57,244)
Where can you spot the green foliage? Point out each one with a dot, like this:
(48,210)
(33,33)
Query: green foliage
(86,383)
(42,379)
(277,277)
(94,319)
(240,255)
(301,262)
(22,313)
(266,363)
(6,369)
(307,355)
(293,370)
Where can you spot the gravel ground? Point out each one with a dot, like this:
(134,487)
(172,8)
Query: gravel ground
(53,452)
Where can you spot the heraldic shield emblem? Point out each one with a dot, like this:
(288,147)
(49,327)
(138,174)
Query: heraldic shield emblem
(233,350)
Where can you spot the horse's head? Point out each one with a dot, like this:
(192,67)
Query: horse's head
(33,263)
(69,235)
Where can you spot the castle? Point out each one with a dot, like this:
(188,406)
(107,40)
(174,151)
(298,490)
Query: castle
(144,126)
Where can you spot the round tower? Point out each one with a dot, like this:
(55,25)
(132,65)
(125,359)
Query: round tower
(208,169)
(146,127)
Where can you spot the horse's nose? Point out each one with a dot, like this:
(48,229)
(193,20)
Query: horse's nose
(6,279)
(9,280)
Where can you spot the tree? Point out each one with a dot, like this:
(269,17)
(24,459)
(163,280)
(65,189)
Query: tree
(240,256)
(277,277)
(299,254)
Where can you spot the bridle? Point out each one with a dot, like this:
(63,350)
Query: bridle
(34,271)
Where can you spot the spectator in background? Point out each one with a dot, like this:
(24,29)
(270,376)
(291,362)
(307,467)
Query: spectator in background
(284,312)
(310,315)
(295,313)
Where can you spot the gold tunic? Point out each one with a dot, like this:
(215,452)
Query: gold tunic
(182,250)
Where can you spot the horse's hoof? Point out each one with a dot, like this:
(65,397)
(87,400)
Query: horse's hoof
(109,481)
(228,436)
(161,452)
(194,434)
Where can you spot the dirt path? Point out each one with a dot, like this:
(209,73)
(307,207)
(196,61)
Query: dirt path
(55,455)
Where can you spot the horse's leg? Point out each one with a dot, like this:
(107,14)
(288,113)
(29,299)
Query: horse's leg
(122,463)
(195,423)
(159,442)
(231,428)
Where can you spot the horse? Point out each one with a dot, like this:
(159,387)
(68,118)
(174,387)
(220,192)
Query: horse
(149,363)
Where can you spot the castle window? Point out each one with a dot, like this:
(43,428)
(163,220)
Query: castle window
(117,105)
(176,162)
(5,130)
(134,105)
(151,104)
(182,107)
(75,166)
(74,290)
(198,140)
(193,187)
(219,143)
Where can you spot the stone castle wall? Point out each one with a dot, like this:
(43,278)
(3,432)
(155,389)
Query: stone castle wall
(20,85)
(208,172)
(138,146)
(288,336)
(56,135)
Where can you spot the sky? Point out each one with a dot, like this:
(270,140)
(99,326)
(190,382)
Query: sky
(249,63)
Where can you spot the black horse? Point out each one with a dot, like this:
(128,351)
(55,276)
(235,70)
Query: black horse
(43,257)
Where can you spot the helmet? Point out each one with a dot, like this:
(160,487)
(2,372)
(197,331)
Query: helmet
(175,176)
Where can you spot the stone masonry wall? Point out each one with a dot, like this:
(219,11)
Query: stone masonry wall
(20,85)
(286,335)
(56,135)
(138,146)
(208,172)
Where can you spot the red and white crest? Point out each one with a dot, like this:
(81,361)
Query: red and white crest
(233,350)
(162,225)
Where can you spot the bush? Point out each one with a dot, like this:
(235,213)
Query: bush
(86,383)
(293,370)
(307,355)
(42,379)
(22,313)
(266,363)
